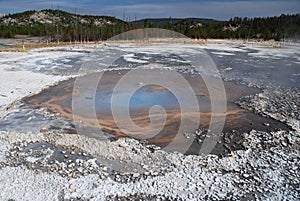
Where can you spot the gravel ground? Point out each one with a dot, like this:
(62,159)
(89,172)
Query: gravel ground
(32,163)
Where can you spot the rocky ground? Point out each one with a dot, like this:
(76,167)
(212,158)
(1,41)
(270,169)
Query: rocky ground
(72,167)
(50,165)
(278,103)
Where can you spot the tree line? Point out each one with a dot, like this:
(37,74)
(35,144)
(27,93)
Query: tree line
(68,29)
(64,33)
(63,26)
(267,28)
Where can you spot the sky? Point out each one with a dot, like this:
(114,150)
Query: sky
(134,9)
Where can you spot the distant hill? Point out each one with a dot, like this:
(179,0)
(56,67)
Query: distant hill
(50,17)
(163,21)
(58,25)
(262,28)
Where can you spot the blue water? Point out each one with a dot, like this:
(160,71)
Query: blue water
(144,97)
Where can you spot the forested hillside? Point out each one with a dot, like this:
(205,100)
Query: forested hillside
(57,24)
(54,25)
(277,28)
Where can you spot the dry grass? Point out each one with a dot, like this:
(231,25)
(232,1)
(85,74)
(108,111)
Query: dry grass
(25,47)
(13,49)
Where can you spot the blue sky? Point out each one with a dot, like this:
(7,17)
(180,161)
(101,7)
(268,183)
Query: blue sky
(217,9)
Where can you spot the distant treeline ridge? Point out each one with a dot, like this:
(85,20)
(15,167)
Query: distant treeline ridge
(59,25)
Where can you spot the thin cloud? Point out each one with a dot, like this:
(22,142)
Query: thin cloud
(218,9)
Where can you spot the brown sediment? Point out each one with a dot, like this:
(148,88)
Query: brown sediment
(58,99)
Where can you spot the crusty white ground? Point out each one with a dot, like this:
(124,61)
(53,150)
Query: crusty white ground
(17,83)
(269,173)
(19,183)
